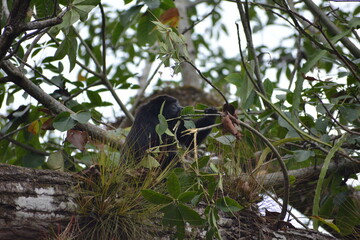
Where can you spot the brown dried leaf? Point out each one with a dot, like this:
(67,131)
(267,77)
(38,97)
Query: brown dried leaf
(170,17)
(47,125)
(77,138)
(34,127)
(229,126)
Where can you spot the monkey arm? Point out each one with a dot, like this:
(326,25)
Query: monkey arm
(187,140)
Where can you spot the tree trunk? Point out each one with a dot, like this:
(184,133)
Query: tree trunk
(34,203)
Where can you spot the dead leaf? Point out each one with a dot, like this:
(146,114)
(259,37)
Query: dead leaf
(77,138)
(170,17)
(47,125)
(34,127)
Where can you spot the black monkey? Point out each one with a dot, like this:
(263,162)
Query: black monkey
(143,136)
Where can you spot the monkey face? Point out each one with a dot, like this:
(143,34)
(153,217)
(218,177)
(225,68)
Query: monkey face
(171,107)
(172,110)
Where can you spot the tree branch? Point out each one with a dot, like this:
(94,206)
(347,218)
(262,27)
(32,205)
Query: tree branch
(333,29)
(17,77)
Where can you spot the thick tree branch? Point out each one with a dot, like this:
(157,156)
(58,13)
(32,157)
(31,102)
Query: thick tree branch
(17,77)
(15,25)
(276,180)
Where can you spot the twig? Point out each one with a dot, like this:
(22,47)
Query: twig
(104,72)
(142,91)
(202,19)
(252,54)
(205,79)
(297,60)
(334,119)
(243,60)
(47,80)
(2,136)
(27,147)
(31,47)
(334,30)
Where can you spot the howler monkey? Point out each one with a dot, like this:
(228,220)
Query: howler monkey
(143,136)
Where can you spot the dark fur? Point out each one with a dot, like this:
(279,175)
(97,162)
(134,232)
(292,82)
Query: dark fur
(143,135)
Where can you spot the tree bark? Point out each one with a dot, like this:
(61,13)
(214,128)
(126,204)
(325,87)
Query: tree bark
(189,75)
(34,203)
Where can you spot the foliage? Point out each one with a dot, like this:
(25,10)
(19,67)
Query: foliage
(187,191)
(299,89)
(110,201)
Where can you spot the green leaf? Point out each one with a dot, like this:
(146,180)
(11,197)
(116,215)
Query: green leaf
(56,161)
(188,124)
(2,94)
(162,125)
(187,110)
(62,50)
(349,113)
(173,185)
(187,196)
(227,204)
(152,3)
(190,216)
(269,87)
(63,122)
(149,162)
(317,197)
(234,78)
(81,117)
(33,160)
(94,97)
(172,216)
(226,139)
(145,31)
(83,11)
(86,2)
(328,222)
(155,197)
(72,52)
(42,8)
(202,162)
(303,155)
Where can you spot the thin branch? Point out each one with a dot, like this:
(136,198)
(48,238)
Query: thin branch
(335,120)
(88,50)
(142,91)
(202,19)
(2,136)
(350,65)
(27,147)
(333,29)
(82,90)
(31,47)
(243,60)
(251,49)
(282,166)
(44,23)
(47,80)
(205,79)
(104,76)
(297,60)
